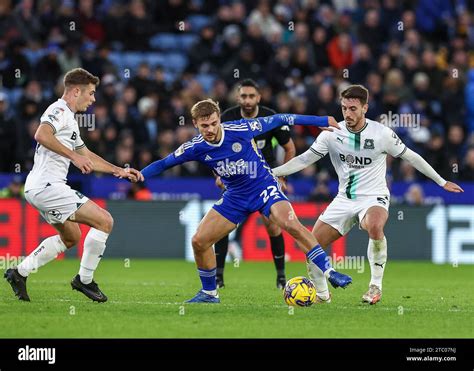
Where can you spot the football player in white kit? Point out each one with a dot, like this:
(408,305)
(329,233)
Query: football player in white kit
(59,143)
(358,153)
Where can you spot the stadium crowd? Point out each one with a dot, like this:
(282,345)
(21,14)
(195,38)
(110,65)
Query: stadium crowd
(156,59)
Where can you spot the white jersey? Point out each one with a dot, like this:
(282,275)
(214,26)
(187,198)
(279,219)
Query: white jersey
(50,167)
(359,158)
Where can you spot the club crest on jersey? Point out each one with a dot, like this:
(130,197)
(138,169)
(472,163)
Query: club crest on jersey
(236,147)
(255,125)
(55,214)
(369,144)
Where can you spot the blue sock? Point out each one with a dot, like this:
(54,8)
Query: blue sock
(208,279)
(319,257)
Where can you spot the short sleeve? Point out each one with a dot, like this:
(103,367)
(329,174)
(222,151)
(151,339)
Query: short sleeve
(393,144)
(320,146)
(55,117)
(79,142)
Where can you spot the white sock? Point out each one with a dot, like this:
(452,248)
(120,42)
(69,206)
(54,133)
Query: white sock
(94,246)
(377,254)
(47,250)
(317,276)
(211,292)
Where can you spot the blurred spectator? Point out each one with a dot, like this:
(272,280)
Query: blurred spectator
(467,170)
(320,193)
(138,26)
(414,196)
(339,51)
(7,137)
(139,192)
(372,33)
(417,65)
(14,189)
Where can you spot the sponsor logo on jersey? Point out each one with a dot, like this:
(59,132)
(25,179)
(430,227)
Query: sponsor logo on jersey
(356,162)
(261,143)
(340,140)
(208,158)
(369,144)
(74,135)
(53,118)
(236,147)
(229,168)
(255,125)
(397,139)
(57,111)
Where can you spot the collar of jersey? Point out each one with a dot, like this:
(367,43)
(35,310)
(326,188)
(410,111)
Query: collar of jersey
(65,103)
(358,131)
(220,142)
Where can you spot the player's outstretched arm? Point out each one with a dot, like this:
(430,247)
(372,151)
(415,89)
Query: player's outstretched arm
(420,164)
(45,137)
(261,125)
(297,164)
(102,166)
(157,167)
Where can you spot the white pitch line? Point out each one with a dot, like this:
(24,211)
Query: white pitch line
(359,307)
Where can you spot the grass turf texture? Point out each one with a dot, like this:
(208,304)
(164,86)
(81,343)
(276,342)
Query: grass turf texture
(420,300)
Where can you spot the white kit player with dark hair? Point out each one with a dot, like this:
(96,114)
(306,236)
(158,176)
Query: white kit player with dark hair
(358,153)
(59,144)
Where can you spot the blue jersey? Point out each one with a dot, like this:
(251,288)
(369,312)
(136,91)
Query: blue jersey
(236,158)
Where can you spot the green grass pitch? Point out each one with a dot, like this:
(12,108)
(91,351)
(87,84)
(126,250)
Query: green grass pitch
(421,300)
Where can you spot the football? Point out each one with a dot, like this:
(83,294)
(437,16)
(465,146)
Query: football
(299,291)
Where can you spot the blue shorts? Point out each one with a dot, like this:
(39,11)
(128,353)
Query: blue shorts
(237,206)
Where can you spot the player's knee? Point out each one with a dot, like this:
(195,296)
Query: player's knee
(273,230)
(198,243)
(107,222)
(375,230)
(72,238)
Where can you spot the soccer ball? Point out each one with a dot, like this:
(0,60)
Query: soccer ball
(299,291)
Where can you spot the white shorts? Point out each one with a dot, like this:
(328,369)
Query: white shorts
(56,202)
(343,213)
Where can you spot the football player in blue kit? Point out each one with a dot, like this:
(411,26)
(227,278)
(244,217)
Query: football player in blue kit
(230,151)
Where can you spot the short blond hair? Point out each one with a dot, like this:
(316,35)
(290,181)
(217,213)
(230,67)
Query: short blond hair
(204,109)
